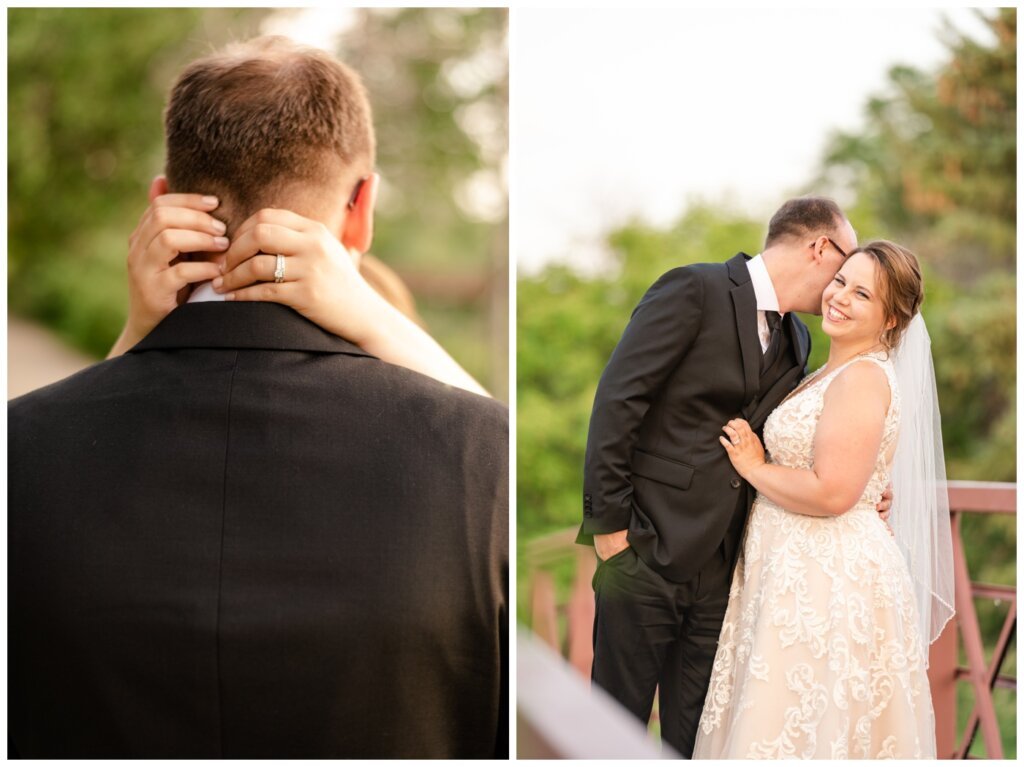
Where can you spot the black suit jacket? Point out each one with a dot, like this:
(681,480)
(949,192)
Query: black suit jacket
(688,362)
(249,538)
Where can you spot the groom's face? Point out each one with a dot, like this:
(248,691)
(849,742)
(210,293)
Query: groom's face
(846,238)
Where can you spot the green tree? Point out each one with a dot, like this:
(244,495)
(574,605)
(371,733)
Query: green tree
(936,161)
(86,90)
(438,84)
(935,169)
(567,327)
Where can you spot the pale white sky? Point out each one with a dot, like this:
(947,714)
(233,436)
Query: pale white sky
(618,114)
(319,26)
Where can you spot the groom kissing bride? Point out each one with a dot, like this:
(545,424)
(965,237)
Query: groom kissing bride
(760,588)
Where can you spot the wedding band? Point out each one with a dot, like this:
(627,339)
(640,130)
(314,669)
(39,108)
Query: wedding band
(279,271)
(735,440)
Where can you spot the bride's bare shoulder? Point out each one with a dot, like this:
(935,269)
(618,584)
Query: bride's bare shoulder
(864,379)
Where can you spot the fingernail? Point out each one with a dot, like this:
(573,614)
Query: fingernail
(220,242)
(211,200)
(217,283)
(219,226)
(229,297)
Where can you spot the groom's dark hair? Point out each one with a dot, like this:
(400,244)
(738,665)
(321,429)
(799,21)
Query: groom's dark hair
(264,118)
(802,216)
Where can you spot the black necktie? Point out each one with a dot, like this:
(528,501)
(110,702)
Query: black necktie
(774,341)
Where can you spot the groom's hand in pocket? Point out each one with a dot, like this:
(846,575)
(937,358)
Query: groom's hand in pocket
(607,545)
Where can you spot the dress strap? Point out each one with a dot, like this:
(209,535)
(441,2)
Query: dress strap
(886,365)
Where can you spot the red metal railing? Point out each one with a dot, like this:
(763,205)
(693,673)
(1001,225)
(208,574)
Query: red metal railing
(567,626)
(977,498)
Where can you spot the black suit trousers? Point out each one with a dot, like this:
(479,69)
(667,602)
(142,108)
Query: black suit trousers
(650,632)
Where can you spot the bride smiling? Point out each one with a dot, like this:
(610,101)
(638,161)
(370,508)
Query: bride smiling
(824,648)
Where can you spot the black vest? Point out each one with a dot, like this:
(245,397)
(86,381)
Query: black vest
(784,362)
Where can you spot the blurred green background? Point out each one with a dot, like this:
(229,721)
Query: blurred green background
(86,91)
(934,168)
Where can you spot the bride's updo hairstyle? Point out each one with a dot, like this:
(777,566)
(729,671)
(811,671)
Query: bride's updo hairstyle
(901,287)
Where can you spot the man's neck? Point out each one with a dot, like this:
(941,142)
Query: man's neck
(774,263)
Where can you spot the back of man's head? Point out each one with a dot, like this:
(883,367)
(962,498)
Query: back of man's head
(268,123)
(803,216)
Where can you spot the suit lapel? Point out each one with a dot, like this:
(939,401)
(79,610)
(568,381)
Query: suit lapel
(744,305)
(773,397)
(801,345)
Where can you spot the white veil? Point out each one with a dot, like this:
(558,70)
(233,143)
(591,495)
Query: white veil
(920,509)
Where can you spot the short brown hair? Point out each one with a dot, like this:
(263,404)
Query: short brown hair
(265,113)
(901,286)
(802,216)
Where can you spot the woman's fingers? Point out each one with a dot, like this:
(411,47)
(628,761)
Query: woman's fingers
(258,269)
(172,224)
(178,211)
(196,201)
(266,238)
(187,272)
(157,242)
(156,221)
(167,244)
(279,217)
(739,431)
(280,293)
(158,218)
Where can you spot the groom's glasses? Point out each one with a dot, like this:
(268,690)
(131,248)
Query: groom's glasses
(842,252)
(832,242)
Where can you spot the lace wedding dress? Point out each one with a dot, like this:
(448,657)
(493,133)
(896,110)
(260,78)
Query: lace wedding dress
(820,654)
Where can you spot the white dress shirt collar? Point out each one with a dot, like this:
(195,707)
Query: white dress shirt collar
(764,291)
(204,292)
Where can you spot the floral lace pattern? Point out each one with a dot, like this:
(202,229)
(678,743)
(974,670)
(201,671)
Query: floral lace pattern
(819,654)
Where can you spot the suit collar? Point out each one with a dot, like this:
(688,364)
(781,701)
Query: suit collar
(243,325)
(737,266)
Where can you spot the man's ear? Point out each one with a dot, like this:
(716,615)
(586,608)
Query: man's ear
(357,231)
(157,187)
(819,249)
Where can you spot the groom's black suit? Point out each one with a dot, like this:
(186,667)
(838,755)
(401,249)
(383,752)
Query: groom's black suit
(688,362)
(249,538)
